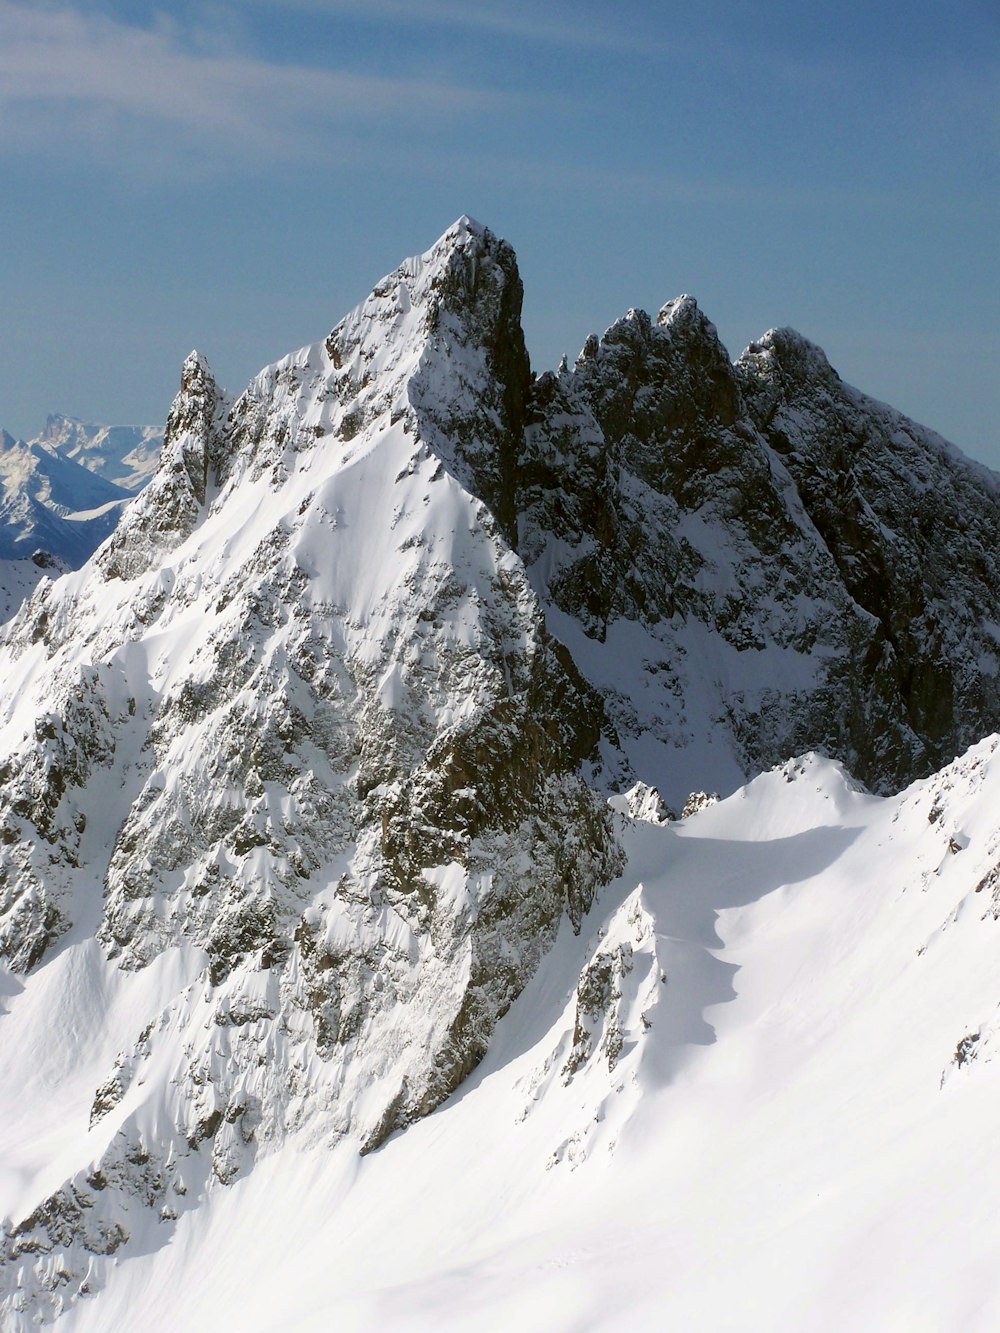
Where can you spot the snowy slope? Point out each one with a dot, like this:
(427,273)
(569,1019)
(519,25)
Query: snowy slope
(299,727)
(756,1091)
(18,578)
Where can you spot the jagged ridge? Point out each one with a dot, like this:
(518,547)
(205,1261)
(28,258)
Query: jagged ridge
(755,560)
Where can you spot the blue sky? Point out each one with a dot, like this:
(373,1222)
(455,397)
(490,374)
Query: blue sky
(235,176)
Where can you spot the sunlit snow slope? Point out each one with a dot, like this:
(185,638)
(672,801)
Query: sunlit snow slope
(758,1091)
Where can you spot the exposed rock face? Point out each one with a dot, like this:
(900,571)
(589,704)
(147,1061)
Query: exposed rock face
(474,421)
(319,742)
(190,463)
(752,555)
(911,525)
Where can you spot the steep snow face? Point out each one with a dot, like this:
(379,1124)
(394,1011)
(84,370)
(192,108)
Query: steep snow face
(457,346)
(744,560)
(20,577)
(298,740)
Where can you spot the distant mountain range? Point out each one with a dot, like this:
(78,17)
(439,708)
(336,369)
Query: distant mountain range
(125,456)
(62,493)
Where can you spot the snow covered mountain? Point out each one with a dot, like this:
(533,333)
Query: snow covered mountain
(124,455)
(304,817)
(757,1091)
(49,503)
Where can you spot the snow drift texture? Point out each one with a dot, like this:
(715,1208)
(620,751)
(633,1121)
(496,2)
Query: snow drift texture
(305,772)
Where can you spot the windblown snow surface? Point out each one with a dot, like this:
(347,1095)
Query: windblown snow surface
(757,1091)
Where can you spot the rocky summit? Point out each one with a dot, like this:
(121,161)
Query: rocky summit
(753,560)
(307,770)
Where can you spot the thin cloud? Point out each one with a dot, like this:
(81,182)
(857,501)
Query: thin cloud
(64,74)
(508,21)
(655,187)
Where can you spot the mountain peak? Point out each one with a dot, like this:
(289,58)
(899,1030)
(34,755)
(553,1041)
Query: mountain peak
(457,252)
(787,351)
(58,422)
(197,396)
(299,778)
(196,373)
(681,308)
(684,318)
(439,342)
(466,226)
(189,463)
(406,301)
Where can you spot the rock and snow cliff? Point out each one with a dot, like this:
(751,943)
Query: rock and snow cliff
(21,576)
(304,774)
(301,726)
(755,560)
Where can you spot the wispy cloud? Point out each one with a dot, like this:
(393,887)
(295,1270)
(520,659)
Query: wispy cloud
(540,24)
(67,75)
(598,182)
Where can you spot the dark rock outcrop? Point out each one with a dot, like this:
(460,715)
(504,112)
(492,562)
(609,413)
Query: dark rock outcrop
(802,567)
